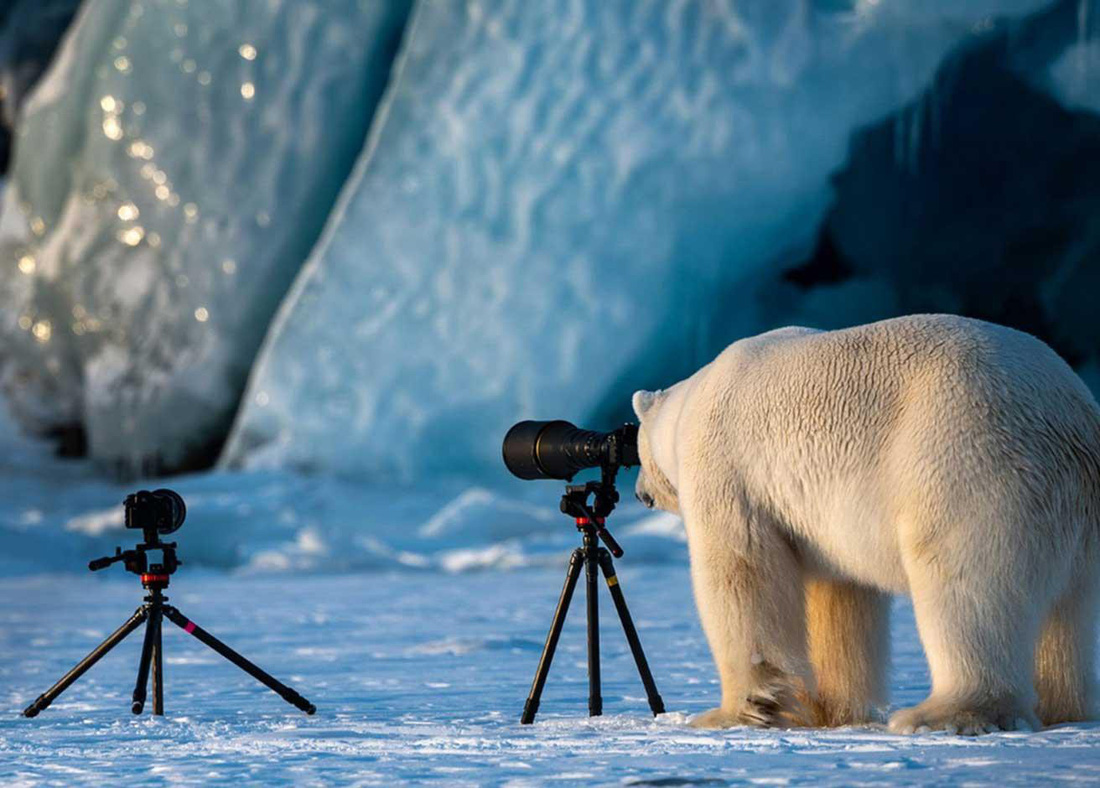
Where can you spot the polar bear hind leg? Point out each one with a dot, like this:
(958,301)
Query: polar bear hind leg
(979,631)
(848,632)
(1064,660)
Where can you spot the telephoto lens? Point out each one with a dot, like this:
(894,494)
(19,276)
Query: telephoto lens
(558,449)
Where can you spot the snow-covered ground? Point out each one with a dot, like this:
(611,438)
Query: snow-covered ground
(421,676)
(414,621)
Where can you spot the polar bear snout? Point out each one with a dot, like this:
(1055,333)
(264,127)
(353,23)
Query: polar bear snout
(645,498)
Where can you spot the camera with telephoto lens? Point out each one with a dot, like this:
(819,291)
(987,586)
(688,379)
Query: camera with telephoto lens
(558,449)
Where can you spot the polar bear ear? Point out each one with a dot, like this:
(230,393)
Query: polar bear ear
(643,402)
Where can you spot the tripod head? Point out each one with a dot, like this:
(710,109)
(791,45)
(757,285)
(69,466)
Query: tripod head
(155,513)
(590,519)
(137,562)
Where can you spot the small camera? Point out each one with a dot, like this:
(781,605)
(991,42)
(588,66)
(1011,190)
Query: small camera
(160,511)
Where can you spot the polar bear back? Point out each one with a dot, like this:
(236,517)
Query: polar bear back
(929,432)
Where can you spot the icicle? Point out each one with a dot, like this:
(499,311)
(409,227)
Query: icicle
(913,148)
(935,114)
(899,139)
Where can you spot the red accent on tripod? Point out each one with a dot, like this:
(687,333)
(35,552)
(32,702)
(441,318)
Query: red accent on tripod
(585,520)
(147,579)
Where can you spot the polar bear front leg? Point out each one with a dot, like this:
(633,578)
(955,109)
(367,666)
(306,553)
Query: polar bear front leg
(751,604)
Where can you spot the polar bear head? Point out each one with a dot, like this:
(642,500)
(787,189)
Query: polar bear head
(654,489)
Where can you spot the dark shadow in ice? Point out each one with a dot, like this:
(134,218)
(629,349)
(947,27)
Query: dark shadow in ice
(979,197)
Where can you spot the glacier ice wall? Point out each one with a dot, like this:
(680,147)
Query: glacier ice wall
(562,202)
(29,33)
(171,173)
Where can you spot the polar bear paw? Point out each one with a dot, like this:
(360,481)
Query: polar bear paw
(717,718)
(778,703)
(758,712)
(963,719)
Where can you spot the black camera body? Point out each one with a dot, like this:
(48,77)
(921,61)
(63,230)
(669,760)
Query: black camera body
(158,512)
(559,450)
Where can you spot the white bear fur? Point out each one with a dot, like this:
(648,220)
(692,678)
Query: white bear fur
(819,472)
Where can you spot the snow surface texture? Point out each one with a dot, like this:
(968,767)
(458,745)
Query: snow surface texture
(172,171)
(419,668)
(554,210)
(411,686)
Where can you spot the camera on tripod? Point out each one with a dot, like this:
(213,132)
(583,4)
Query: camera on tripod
(559,450)
(156,513)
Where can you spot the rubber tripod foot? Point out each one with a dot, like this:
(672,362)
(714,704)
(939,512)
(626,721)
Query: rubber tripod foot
(298,702)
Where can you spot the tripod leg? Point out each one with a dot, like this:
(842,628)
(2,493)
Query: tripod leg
(158,665)
(656,704)
(595,702)
(138,703)
(531,707)
(82,667)
(285,692)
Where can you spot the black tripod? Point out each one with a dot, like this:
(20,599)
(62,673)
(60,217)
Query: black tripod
(590,522)
(154,578)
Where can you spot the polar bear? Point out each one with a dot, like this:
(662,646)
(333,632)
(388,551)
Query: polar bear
(819,472)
